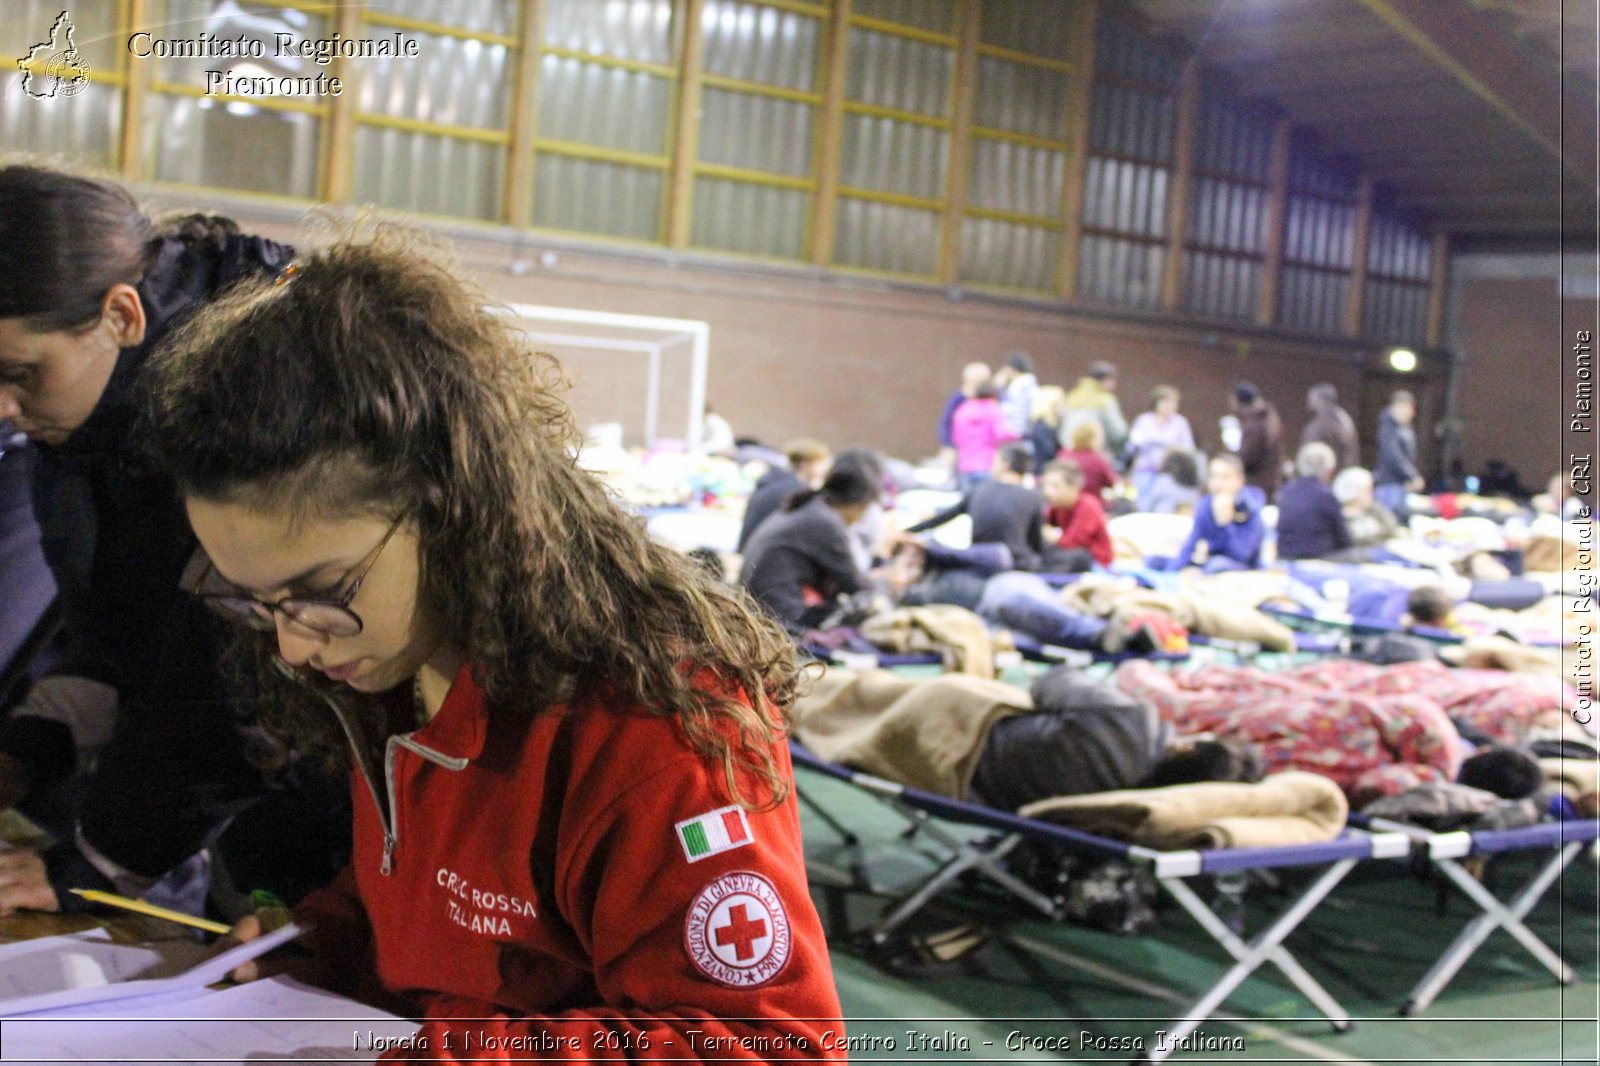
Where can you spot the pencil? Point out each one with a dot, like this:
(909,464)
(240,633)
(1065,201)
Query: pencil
(141,907)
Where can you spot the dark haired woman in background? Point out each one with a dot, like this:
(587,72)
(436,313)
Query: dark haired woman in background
(801,560)
(88,285)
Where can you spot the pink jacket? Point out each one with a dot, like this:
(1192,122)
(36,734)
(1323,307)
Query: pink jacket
(977,430)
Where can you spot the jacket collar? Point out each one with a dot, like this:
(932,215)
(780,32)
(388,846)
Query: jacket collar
(458,730)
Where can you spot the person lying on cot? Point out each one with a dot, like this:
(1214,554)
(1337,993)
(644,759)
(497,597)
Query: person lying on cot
(575,820)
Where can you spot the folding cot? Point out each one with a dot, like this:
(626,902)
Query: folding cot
(1311,622)
(1170,869)
(1564,839)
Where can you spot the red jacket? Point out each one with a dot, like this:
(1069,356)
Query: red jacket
(580,887)
(1097,473)
(1083,525)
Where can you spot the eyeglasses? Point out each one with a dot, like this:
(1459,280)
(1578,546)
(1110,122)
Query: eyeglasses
(321,617)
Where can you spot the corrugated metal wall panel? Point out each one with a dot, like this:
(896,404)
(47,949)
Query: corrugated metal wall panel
(453,81)
(592,104)
(1115,270)
(887,237)
(1016,177)
(94,34)
(626,29)
(936,15)
(881,153)
(757,219)
(1042,27)
(231,145)
(479,16)
(761,44)
(427,173)
(1003,253)
(1023,99)
(756,132)
(898,72)
(590,196)
(82,129)
(223,18)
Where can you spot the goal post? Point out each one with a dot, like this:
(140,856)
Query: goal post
(649,336)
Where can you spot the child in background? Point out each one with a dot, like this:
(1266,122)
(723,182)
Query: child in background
(1078,518)
(1227,522)
(574,812)
(1176,486)
(977,430)
(1087,449)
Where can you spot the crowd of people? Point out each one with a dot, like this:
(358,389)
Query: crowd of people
(1040,468)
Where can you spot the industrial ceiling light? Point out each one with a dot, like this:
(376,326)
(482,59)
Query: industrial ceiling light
(1403,360)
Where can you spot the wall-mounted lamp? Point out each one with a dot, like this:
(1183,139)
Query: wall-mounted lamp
(1403,360)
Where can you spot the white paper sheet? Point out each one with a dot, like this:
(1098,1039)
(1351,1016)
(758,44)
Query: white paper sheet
(82,960)
(274,1020)
(68,971)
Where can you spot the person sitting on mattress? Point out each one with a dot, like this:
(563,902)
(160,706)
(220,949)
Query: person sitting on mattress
(1227,524)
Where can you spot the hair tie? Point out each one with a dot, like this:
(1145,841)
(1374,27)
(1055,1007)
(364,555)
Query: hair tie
(287,273)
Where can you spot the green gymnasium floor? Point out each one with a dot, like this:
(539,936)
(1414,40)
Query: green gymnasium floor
(1367,944)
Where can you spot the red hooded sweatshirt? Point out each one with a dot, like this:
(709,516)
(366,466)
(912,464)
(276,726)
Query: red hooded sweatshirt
(578,886)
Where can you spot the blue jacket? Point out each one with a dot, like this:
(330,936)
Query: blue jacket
(1239,540)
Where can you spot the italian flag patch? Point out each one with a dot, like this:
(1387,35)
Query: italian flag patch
(713,833)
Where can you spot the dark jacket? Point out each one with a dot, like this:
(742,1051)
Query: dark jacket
(1002,513)
(1261,445)
(1331,424)
(1046,442)
(1083,736)
(176,771)
(793,551)
(1397,452)
(1310,522)
(774,487)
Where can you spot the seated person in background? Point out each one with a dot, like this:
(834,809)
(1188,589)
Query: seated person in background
(1003,510)
(1086,447)
(800,560)
(1228,521)
(1370,522)
(869,534)
(1310,522)
(808,465)
(1081,539)
(1176,487)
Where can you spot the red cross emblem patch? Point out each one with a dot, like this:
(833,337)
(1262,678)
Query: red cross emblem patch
(736,930)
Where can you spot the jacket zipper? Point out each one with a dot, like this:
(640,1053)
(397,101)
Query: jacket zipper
(391,837)
(388,816)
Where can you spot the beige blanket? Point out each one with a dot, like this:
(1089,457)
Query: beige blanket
(1209,615)
(922,732)
(1287,808)
(954,632)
